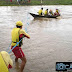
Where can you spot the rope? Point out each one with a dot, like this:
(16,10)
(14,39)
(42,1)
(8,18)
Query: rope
(27,24)
(15,46)
(8,47)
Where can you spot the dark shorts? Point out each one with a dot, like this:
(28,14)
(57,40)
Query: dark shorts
(18,52)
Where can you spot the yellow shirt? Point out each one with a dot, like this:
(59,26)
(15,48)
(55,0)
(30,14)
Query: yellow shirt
(57,11)
(40,12)
(46,12)
(23,32)
(16,32)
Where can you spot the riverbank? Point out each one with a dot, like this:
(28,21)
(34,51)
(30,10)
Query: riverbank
(37,2)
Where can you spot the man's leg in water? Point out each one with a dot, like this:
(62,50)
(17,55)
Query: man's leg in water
(23,63)
(16,59)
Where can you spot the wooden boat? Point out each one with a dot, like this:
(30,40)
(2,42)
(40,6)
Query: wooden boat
(48,16)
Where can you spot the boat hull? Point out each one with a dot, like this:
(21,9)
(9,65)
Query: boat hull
(38,16)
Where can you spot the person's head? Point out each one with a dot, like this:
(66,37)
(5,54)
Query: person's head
(19,24)
(56,10)
(41,8)
(50,10)
(47,9)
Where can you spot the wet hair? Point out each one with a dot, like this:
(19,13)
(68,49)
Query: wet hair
(46,9)
(42,8)
(18,26)
(56,9)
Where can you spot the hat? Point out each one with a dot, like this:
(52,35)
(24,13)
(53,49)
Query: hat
(19,23)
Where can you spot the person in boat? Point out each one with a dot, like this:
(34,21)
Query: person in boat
(17,34)
(46,12)
(40,12)
(5,62)
(51,12)
(57,12)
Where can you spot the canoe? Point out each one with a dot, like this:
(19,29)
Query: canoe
(48,16)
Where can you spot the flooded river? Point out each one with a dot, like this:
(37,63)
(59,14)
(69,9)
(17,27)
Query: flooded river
(51,39)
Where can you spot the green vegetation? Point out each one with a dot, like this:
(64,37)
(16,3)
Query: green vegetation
(36,2)
(8,3)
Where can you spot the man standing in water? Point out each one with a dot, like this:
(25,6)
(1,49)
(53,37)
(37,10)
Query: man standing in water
(17,34)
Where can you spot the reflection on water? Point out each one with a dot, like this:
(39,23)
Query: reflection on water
(51,39)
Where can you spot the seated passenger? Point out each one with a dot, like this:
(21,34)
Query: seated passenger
(50,12)
(46,12)
(56,12)
(40,12)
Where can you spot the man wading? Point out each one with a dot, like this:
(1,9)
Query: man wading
(17,34)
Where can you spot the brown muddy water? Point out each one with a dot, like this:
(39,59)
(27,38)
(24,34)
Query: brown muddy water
(51,39)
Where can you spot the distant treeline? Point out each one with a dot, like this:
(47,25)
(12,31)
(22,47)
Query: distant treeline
(35,2)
